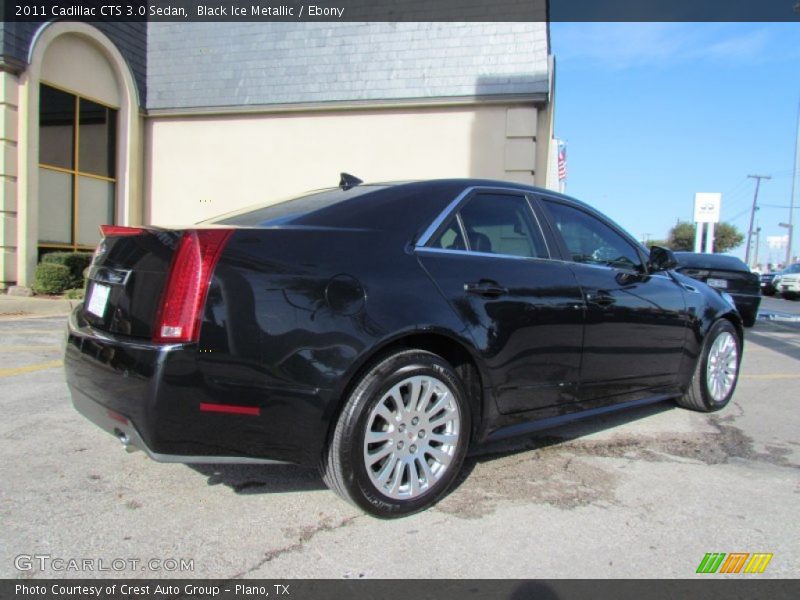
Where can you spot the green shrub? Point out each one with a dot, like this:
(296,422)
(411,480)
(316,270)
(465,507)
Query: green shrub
(76,262)
(74,294)
(51,278)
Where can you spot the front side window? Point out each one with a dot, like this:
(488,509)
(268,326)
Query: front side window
(590,241)
(77,169)
(493,223)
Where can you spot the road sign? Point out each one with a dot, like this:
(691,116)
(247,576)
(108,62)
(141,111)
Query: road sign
(707,207)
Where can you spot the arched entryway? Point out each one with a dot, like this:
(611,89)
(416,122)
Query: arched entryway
(79,144)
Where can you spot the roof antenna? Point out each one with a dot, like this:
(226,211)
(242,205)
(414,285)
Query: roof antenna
(348,181)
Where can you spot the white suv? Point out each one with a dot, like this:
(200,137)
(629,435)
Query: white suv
(787,282)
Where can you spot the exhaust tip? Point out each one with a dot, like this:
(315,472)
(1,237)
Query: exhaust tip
(125,440)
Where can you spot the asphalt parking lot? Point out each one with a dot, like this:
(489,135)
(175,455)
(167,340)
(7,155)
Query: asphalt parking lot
(641,494)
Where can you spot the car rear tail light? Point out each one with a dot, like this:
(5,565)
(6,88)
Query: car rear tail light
(187,284)
(120,230)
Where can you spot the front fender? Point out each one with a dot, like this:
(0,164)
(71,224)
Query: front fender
(705,306)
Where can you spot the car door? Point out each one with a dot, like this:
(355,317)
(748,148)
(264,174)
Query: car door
(490,259)
(636,322)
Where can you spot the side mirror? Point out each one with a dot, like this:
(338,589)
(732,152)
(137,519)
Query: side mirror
(661,259)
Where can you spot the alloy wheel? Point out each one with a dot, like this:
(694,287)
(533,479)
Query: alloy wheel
(722,367)
(411,437)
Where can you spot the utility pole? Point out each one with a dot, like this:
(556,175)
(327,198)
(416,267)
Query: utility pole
(758,241)
(758,179)
(795,169)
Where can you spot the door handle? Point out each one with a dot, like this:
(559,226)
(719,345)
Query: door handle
(489,289)
(601,298)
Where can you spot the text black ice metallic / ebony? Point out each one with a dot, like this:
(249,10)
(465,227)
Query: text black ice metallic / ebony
(379,331)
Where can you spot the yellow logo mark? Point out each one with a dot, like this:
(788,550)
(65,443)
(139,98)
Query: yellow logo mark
(758,562)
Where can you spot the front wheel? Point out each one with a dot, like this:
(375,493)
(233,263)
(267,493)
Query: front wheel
(717,370)
(401,438)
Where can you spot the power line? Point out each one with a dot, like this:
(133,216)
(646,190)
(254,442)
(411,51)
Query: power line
(739,215)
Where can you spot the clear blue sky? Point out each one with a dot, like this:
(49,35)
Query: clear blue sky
(654,112)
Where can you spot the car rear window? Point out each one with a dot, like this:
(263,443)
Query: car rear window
(711,261)
(287,211)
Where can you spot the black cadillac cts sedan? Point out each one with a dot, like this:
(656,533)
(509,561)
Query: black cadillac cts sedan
(378,331)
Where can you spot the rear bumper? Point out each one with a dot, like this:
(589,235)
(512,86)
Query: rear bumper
(746,303)
(165,400)
(125,431)
(790,286)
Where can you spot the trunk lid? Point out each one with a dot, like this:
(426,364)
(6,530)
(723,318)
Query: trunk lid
(726,281)
(126,279)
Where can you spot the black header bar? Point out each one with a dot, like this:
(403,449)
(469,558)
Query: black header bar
(401,10)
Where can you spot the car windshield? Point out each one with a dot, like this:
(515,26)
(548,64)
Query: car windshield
(795,268)
(286,211)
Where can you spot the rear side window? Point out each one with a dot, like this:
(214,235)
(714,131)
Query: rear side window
(591,241)
(451,238)
(494,224)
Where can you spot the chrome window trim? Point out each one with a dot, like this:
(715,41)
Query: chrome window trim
(488,255)
(538,224)
(425,238)
(462,230)
(609,267)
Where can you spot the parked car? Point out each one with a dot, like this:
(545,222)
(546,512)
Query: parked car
(728,274)
(380,331)
(787,282)
(768,283)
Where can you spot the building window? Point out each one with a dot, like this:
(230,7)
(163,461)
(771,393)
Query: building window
(77,169)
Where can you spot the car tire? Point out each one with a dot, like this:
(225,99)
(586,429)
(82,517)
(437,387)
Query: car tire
(413,406)
(748,319)
(717,370)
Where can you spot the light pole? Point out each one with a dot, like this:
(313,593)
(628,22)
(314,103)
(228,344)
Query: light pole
(789,227)
(758,241)
(795,169)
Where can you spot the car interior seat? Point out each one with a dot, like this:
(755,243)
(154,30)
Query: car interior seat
(479,242)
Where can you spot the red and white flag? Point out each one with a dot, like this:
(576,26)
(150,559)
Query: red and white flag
(562,162)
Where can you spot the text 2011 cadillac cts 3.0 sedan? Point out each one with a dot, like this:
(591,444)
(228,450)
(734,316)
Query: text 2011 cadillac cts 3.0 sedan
(379,330)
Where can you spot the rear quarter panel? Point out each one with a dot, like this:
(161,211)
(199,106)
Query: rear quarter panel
(293,314)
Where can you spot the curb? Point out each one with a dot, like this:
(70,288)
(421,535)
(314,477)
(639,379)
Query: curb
(21,306)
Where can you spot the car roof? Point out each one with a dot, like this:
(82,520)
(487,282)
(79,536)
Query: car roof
(393,205)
